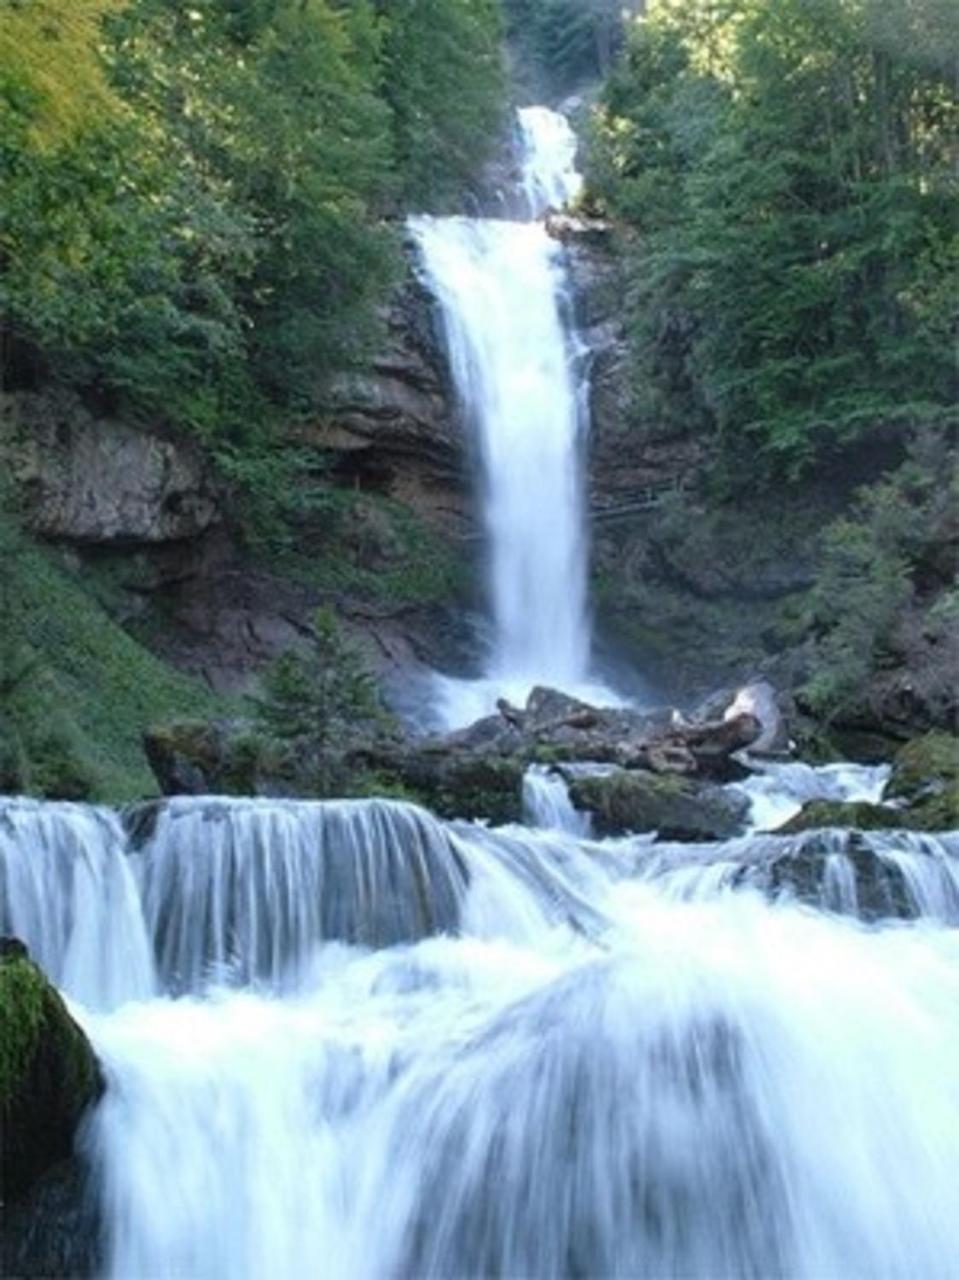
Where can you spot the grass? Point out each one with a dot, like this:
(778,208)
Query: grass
(90,691)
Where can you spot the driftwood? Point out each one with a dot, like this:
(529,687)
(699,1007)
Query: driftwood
(696,748)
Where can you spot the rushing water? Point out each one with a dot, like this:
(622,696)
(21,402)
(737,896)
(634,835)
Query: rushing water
(379,1045)
(500,286)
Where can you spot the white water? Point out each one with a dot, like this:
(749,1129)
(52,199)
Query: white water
(546,803)
(500,287)
(611,1062)
(777,792)
(550,177)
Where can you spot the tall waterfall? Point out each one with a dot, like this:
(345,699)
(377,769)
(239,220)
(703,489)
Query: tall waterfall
(500,285)
(390,1046)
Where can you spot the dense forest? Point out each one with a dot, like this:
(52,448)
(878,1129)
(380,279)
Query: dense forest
(199,198)
(203,227)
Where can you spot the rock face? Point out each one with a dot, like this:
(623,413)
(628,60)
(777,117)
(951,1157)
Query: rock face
(395,427)
(48,1073)
(87,479)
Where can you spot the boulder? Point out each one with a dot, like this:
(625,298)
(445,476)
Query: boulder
(925,775)
(49,1074)
(457,783)
(634,800)
(203,757)
(819,815)
(759,699)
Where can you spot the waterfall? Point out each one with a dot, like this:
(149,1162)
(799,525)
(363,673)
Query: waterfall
(394,1046)
(500,286)
(67,890)
(546,803)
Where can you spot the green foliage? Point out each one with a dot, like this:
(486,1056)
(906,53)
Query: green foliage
(195,196)
(565,43)
(443,80)
(890,561)
(319,693)
(787,167)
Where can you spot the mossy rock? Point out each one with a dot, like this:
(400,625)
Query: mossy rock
(197,757)
(48,1072)
(676,808)
(458,785)
(860,816)
(925,773)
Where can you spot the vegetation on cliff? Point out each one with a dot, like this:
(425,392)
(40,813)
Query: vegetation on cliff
(75,690)
(198,197)
(787,168)
(782,178)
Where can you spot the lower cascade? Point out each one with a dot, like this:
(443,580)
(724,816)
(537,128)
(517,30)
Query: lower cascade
(347,1038)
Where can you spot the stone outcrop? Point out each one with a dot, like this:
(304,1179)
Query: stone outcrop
(88,479)
(478,772)
(394,426)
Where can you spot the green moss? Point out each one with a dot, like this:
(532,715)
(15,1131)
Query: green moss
(378,550)
(22,1003)
(925,772)
(48,1073)
(931,761)
(834,813)
(677,808)
(90,690)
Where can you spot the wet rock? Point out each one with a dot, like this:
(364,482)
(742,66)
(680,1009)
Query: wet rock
(457,784)
(49,1074)
(676,808)
(57,1229)
(806,868)
(203,757)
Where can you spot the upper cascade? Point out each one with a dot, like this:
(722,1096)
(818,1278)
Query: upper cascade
(550,176)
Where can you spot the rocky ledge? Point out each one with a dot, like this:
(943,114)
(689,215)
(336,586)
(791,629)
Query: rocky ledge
(660,772)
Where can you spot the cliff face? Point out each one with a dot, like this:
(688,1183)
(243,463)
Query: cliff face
(143,517)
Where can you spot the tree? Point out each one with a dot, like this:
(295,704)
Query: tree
(319,695)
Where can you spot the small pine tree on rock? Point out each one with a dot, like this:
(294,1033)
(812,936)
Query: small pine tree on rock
(318,696)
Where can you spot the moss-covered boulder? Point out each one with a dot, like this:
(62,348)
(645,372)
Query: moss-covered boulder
(459,784)
(925,774)
(48,1072)
(859,816)
(205,757)
(678,808)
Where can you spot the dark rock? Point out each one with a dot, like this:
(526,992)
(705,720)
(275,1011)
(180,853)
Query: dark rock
(57,1229)
(204,757)
(800,868)
(457,784)
(676,808)
(49,1074)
